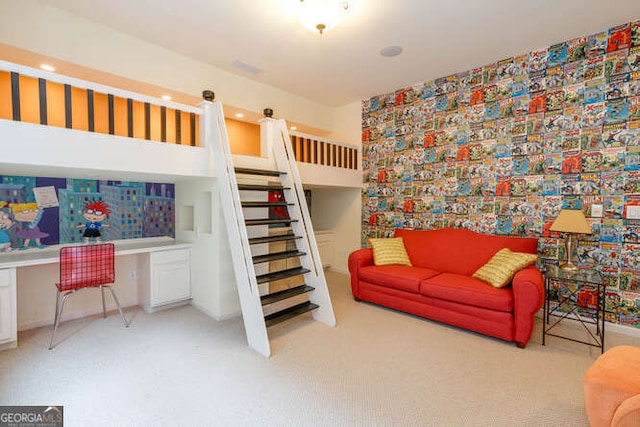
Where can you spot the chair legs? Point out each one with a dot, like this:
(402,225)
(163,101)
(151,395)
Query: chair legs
(113,294)
(104,307)
(60,300)
(59,307)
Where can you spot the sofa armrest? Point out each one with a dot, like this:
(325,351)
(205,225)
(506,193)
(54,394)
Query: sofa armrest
(528,298)
(358,259)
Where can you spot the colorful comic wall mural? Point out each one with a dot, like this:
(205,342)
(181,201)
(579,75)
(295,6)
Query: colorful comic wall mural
(500,149)
(36,212)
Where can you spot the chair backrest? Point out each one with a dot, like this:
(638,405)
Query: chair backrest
(86,266)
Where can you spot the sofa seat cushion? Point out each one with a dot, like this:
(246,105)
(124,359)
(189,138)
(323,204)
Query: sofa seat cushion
(397,276)
(467,290)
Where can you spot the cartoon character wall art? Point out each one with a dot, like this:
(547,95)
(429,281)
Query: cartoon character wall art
(29,215)
(95,213)
(5,224)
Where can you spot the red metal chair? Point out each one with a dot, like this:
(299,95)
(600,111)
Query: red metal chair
(85,266)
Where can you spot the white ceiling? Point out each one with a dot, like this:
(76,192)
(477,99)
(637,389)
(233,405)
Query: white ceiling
(438,37)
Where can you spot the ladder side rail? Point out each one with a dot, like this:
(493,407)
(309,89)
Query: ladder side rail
(215,135)
(285,161)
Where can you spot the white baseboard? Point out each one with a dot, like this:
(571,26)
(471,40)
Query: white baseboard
(339,270)
(213,315)
(622,329)
(609,327)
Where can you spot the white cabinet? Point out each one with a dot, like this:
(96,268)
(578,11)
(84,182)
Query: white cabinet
(169,279)
(8,315)
(324,240)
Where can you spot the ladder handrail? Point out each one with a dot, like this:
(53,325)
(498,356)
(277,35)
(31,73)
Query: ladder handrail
(285,160)
(227,182)
(217,140)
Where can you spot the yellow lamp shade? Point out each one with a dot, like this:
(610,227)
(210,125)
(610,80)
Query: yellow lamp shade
(571,221)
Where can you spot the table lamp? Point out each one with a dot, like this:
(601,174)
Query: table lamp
(570,221)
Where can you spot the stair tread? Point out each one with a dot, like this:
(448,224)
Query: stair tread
(264,204)
(289,313)
(254,187)
(264,172)
(281,274)
(265,221)
(276,256)
(269,239)
(287,293)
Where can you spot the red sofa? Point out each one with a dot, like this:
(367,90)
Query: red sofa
(439,285)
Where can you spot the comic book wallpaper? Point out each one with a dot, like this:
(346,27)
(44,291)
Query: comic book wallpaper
(500,149)
(36,212)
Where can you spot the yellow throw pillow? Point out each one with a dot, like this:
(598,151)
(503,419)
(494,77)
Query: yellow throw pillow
(503,266)
(389,251)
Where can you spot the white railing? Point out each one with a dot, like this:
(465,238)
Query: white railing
(324,152)
(46,98)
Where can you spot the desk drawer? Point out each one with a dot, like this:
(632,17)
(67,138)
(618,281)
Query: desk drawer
(177,255)
(5,277)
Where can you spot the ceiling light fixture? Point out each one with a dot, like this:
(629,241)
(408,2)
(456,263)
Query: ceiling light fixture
(391,51)
(47,67)
(166,97)
(322,15)
(239,115)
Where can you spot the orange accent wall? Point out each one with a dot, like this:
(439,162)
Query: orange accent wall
(101,112)
(120,117)
(171,126)
(138,120)
(55,104)
(6,112)
(29,100)
(185,127)
(79,109)
(156,123)
(244,138)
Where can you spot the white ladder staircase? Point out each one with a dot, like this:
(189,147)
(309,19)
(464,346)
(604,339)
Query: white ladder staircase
(267,298)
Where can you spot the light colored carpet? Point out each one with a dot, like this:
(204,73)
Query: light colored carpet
(376,368)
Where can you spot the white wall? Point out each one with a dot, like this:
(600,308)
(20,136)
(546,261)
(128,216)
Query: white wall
(212,280)
(27,147)
(338,209)
(347,124)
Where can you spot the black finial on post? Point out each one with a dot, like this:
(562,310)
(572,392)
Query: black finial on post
(268,112)
(208,95)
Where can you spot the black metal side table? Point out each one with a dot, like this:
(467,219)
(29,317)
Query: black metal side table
(578,296)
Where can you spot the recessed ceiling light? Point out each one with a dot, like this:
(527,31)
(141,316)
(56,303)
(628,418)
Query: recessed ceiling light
(293,128)
(47,67)
(239,115)
(390,51)
(166,97)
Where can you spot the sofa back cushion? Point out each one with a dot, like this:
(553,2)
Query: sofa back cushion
(458,250)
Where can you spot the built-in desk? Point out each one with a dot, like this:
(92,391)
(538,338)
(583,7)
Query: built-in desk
(162,269)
